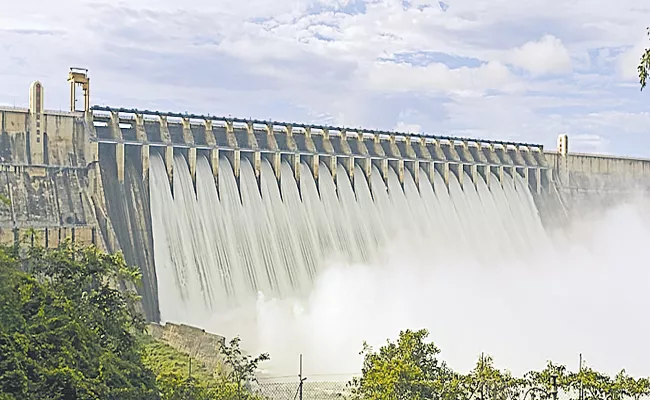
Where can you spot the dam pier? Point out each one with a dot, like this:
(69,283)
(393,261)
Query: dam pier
(213,210)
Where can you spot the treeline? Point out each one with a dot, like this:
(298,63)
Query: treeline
(409,368)
(70,329)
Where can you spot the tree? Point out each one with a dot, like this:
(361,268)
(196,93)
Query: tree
(644,65)
(487,382)
(406,369)
(553,377)
(409,369)
(240,368)
(68,332)
(631,387)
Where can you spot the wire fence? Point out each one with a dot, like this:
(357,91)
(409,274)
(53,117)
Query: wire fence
(340,391)
(310,390)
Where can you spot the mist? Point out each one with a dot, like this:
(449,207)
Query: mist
(584,291)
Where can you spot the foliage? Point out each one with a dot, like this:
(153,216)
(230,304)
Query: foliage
(181,377)
(240,367)
(487,382)
(71,330)
(7,202)
(644,65)
(409,369)
(67,331)
(176,376)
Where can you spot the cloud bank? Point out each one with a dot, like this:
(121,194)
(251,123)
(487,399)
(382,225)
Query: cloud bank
(512,70)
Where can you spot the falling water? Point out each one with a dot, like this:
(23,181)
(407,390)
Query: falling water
(216,250)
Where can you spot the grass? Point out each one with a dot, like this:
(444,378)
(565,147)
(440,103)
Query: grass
(162,358)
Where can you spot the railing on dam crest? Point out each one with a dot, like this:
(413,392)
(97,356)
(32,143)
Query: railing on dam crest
(192,136)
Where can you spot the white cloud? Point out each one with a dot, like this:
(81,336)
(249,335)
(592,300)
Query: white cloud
(584,142)
(407,127)
(437,77)
(545,56)
(315,60)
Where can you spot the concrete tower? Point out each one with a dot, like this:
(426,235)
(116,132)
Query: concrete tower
(36,123)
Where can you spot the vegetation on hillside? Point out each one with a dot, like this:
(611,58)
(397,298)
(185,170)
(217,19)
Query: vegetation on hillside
(70,330)
(409,368)
(180,377)
(66,332)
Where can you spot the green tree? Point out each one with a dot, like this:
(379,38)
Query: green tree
(631,387)
(644,65)
(406,369)
(409,369)
(68,331)
(240,368)
(487,382)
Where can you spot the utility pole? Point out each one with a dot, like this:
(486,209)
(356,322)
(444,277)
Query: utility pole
(581,393)
(302,380)
(481,382)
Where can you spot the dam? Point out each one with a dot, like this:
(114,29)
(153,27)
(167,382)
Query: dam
(215,211)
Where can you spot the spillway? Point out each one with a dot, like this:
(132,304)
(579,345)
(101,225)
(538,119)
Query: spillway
(221,244)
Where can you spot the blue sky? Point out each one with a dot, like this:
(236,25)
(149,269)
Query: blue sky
(513,70)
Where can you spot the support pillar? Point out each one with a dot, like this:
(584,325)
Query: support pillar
(416,174)
(474,174)
(384,171)
(169,164)
(119,158)
(188,136)
(236,168)
(367,172)
(93,159)
(332,166)
(191,161)
(209,134)
(350,167)
(367,168)
(145,154)
(295,159)
(214,163)
(315,164)
(277,164)
(140,132)
(445,173)
(400,169)
(236,165)
(257,169)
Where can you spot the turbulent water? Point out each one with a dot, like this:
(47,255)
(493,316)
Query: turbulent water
(317,267)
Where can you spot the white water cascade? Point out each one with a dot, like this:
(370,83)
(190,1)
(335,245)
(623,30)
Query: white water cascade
(311,266)
(215,252)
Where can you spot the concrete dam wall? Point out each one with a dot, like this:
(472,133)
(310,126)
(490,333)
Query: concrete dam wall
(214,211)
